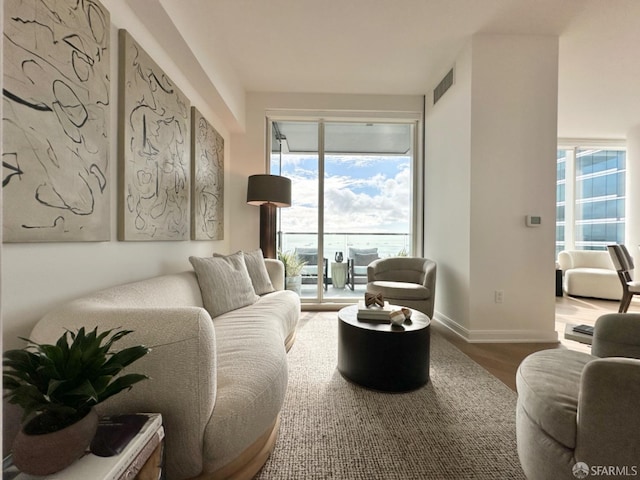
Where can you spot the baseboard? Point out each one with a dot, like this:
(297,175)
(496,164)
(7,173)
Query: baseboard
(496,336)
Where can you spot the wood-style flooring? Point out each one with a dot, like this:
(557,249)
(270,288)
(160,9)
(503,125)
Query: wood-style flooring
(502,359)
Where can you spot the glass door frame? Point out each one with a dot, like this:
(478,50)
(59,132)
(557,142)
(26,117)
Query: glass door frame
(416,226)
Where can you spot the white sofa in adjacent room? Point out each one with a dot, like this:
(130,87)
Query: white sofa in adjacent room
(589,273)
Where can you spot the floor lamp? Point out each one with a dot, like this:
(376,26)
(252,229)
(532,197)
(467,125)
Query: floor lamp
(270,192)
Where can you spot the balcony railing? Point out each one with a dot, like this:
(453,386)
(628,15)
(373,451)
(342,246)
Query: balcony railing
(388,244)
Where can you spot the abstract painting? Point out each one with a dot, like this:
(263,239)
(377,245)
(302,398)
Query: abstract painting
(207,172)
(55,152)
(154,171)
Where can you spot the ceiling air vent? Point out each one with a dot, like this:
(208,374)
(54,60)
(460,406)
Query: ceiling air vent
(443,86)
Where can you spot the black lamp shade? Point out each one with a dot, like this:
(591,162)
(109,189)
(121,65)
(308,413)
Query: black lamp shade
(272,189)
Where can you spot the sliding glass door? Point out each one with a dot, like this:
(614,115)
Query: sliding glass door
(353,200)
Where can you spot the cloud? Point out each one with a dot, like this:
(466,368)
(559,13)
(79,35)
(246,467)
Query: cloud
(358,202)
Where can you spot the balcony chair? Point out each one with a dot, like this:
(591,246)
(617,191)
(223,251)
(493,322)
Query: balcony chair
(575,407)
(406,281)
(310,270)
(623,263)
(357,261)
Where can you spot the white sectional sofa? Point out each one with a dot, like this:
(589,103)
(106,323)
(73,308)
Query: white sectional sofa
(219,383)
(589,273)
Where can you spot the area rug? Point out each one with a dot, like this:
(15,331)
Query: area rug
(461,425)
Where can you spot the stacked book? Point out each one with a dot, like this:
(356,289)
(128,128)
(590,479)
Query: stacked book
(585,329)
(375,313)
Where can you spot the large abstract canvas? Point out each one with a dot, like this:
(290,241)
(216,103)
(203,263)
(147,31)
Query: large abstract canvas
(154,147)
(55,152)
(207,203)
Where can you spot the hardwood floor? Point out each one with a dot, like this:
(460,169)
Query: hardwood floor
(502,359)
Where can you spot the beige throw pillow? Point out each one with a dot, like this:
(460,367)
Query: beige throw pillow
(258,272)
(224,283)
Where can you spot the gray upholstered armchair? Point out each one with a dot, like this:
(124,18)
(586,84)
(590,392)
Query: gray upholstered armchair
(574,407)
(406,281)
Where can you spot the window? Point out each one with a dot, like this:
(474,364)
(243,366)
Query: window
(590,198)
(352,190)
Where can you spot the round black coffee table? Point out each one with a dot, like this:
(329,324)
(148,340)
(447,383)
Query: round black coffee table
(381,356)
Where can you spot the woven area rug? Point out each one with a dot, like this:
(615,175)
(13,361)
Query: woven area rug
(461,425)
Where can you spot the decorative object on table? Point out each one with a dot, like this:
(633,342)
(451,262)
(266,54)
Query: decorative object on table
(153,150)
(56,122)
(396,317)
(293,266)
(270,192)
(372,299)
(406,312)
(58,387)
(207,175)
(339,257)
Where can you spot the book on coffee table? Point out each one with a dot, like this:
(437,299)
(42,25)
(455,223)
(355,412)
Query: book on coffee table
(375,312)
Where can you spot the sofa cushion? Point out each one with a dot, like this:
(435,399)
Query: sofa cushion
(593,282)
(252,374)
(365,258)
(548,383)
(407,291)
(224,283)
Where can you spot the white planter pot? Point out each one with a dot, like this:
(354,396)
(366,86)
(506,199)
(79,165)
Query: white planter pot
(294,284)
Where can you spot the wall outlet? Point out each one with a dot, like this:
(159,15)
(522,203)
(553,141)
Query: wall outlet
(499,296)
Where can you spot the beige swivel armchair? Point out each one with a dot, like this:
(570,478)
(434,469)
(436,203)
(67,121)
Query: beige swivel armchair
(578,411)
(406,281)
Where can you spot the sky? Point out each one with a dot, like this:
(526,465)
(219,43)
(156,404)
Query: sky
(363,194)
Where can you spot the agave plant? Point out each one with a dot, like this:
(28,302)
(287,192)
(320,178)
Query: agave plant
(57,385)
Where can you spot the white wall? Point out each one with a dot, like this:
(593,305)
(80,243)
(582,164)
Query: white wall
(447,193)
(38,276)
(249,148)
(508,172)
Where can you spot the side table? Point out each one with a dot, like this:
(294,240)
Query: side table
(338,274)
(559,292)
(141,459)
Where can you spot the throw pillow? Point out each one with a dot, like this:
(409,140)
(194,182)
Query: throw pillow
(224,283)
(362,259)
(258,272)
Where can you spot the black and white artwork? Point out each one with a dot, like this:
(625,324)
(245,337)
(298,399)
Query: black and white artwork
(207,203)
(55,152)
(154,150)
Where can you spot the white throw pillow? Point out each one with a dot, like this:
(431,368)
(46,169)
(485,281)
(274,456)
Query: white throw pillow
(224,283)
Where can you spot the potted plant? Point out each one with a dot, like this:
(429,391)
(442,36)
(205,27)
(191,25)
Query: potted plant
(293,266)
(58,386)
